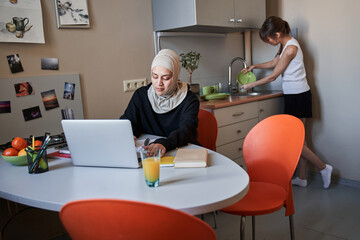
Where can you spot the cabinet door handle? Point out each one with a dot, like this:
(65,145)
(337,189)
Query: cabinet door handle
(231,20)
(261,110)
(238,114)
(240,149)
(239,20)
(239,131)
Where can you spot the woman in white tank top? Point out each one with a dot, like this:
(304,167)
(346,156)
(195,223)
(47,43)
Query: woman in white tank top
(290,64)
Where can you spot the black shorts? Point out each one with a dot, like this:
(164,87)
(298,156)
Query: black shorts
(298,105)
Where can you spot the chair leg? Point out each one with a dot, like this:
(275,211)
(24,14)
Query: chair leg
(253,227)
(214,215)
(292,233)
(203,218)
(242,227)
(11,210)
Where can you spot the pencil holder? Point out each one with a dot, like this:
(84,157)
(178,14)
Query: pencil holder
(37,161)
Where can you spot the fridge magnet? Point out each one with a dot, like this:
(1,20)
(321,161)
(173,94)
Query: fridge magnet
(23,89)
(72,14)
(21,21)
(31,113)
(14,63)
(5,107)
(49,64)
(69,90)
(49,99)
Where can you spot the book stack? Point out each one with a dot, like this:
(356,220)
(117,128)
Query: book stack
(188,158)
(62,154)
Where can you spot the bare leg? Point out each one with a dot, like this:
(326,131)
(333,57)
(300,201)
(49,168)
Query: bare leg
(302,168)
(308,155)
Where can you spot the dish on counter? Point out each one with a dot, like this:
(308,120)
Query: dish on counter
(215,96)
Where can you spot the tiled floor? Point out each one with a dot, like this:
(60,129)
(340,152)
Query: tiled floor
(331,214)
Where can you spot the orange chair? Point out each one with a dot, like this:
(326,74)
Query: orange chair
(207,129)
(271,152)
(207,135)
(122,219)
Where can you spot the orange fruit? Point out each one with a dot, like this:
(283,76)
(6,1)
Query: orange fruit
(22,152)
(19,143)
(37,144)
(10,152)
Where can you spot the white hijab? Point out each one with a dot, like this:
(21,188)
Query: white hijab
(177,90)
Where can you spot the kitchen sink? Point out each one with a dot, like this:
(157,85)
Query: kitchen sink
(256,93)
(248,93)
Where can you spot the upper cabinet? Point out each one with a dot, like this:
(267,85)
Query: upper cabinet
(208,15)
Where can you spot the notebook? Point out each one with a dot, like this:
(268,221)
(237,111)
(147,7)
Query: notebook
(101,143)
(191,158)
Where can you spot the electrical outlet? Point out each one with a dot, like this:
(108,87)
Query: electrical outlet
(132,85)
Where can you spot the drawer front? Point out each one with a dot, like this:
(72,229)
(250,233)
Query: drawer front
(238,113)
(270,107)
(241,162)
(235,131)
(231,150)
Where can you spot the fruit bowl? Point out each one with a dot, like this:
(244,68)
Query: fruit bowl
(16,160)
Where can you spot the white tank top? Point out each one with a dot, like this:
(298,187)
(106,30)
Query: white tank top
(294,76)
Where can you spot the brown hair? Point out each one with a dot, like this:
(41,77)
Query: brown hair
(271,26)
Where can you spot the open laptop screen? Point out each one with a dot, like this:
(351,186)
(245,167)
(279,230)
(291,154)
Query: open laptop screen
(101,143)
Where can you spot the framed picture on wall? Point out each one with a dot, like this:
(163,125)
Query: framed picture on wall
(72,14)
(21,21)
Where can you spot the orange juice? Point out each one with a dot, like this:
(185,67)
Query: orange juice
(151,168)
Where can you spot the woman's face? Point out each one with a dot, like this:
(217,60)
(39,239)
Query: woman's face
(274,40)
(161,78)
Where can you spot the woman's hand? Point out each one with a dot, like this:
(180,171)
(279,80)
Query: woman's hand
(153,148)
(246,86)
(248,69)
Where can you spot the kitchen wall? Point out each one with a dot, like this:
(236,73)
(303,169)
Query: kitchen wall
(329,35)
(216,55)
(119,46)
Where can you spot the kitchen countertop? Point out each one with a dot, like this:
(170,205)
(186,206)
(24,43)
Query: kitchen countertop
(235,100)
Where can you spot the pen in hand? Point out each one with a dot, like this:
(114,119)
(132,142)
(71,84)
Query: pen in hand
(147,141)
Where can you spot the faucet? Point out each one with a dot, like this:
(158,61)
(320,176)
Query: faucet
(231,87)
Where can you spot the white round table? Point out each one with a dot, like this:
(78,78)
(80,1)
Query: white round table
(192,190)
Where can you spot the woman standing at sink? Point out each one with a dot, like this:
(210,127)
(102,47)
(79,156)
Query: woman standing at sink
(297,95)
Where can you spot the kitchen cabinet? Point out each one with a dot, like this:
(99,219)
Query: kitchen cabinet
(249,13)
(235,122)
(208,15)
(270,107)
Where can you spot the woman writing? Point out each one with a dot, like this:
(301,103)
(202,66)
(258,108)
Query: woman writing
(297,96)
(166,107)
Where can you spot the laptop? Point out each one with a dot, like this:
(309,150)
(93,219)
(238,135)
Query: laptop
(101,143)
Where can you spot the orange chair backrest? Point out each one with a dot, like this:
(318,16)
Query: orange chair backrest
(122,219)
(207,129)
(272,149)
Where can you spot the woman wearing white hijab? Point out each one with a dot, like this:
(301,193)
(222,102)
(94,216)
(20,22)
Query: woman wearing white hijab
(166,107)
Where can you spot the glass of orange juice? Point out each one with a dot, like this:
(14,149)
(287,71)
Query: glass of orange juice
(151,166)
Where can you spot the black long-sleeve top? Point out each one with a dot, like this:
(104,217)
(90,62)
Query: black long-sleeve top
(177,127)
